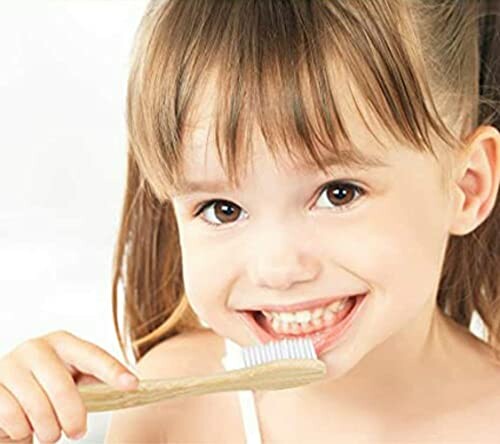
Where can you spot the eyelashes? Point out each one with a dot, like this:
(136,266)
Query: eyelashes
(224,210)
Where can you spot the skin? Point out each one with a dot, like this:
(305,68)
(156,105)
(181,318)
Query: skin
(290,244)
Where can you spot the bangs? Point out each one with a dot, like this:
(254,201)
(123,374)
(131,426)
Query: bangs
(298,71)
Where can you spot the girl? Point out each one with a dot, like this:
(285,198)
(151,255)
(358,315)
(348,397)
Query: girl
(313,168)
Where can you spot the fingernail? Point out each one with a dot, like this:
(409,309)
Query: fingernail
(79,436)
(127,379)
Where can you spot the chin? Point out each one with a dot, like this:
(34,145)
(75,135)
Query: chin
(340,361)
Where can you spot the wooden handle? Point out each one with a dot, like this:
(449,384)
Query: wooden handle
(276,375)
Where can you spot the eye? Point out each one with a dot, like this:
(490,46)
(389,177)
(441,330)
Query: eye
(340,195)
(223,211)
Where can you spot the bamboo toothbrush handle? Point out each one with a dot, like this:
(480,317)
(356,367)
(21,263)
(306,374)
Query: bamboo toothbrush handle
(274,375)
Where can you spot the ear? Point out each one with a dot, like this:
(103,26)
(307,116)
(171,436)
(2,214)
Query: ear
(476,180)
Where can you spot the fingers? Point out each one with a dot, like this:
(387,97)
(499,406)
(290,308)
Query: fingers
(61,390)
(90,359)
(33,401)
(14,424)
(38,386)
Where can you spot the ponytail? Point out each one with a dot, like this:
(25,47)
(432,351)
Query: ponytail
(489,71)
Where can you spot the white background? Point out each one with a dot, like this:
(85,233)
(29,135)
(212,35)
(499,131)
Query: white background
(64,66)
(63,73)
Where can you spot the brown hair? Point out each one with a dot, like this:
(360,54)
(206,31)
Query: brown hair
(418,65)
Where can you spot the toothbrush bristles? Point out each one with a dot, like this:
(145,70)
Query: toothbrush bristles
(300,348)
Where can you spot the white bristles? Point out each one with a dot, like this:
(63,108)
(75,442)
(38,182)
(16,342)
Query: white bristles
(301,348)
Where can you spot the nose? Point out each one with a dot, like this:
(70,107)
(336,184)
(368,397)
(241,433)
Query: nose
(282,263)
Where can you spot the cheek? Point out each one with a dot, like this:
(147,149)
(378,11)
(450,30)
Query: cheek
(398,249)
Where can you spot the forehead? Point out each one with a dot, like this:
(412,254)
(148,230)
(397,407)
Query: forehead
(201,157)
(357,116)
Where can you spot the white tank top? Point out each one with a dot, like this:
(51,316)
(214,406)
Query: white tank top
(231,361)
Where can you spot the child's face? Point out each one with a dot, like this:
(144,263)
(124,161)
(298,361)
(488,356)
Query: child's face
(283,238)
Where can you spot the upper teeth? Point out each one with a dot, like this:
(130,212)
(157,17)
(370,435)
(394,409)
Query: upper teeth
(304,316)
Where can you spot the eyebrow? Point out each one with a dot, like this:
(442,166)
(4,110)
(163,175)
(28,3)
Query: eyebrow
(367,162)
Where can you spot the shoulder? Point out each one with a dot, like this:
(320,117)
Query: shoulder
(480,405)
(186,419)
(479,387)
(186,354)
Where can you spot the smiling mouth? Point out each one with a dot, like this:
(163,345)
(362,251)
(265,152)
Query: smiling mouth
(324,334)
(324,318)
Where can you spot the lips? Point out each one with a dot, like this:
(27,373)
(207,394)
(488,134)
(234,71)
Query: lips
(307,305)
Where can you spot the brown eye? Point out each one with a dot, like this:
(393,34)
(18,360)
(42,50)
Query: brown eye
(222,211)
(226,212)
(341,194)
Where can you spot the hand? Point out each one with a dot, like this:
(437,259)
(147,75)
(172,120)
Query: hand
(39,386)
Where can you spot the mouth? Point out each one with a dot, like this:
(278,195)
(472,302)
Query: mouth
(325,329)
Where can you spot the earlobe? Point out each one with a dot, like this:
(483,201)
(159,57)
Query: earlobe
(477,181)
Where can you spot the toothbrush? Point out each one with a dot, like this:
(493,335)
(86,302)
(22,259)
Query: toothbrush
(275,365)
